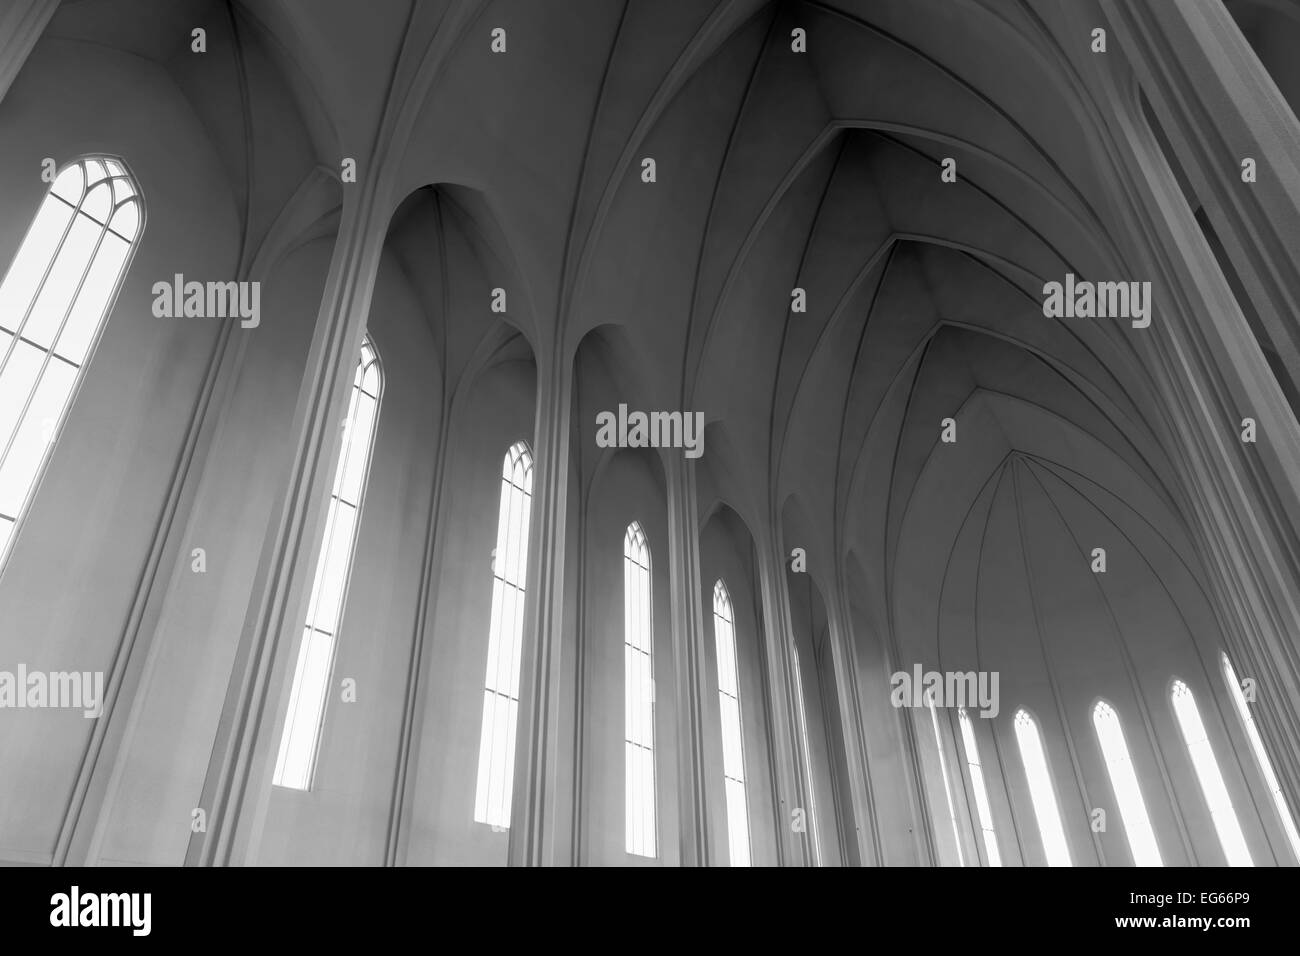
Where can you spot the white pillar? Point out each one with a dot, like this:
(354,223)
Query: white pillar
(690,662)
(788,758)
(865,839)
(1215,102)
(1218,106)
(541,752)
(237,789)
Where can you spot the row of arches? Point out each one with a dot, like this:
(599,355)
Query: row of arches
(1122,777)
(49,237)
(306,718)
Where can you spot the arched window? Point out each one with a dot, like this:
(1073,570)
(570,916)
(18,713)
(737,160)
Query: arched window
(807,762)
(1207,772)
(496,752)
(947,787)
(53,302)
(638,681)
(296,764)
(976,770)
(1261,755)
(1124,782)
(733,746)
(1041,791)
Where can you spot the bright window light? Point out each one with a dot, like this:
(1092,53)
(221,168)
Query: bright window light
(1040,790)
(733,748)
(638,683)
(1207,772)
(977,784)
(1261,756)
(295,765)
(53,302)
(1123,780)
(496,753)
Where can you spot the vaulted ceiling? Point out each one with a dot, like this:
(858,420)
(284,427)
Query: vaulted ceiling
(775,170)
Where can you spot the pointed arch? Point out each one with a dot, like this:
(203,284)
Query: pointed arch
(1041,790)
(638,679)
(496,756)
(733,744)
(1124,783)
(295,765)
(54,300)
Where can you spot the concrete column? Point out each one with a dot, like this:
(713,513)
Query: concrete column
(541,752)
(864,840)
(789,759)
(1215,103)
(20,27)
(1218,106)
(689,662)
(237,788)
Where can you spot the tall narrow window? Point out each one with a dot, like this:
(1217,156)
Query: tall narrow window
(496,752)
(733,748)
(976,770)
(1041,791)
(1123,780)
(807,762)
(1207,772)
(1261,755)
(296,764)
(53,302)
(638,696)
(947,787)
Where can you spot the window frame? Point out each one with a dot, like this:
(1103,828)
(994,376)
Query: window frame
(18,520)
(635,536)
(1050,783)
(979,786)
(518,454)
(1130,825)
(720,589)
(309,626)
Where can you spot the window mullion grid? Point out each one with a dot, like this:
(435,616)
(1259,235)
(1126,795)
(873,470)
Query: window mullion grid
(502,686)
(331,518)
(49,267)
(647,705)
(982,806)
(111,215)
(495,782)
(39,378)
(54,340)
(638,655)
(315,630)
(632,602)
(733,756)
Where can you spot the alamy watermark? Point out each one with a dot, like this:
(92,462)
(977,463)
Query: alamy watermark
(651,430)
(963,689)
(208,300)
(75,908)
(1081,299)
(66,690)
